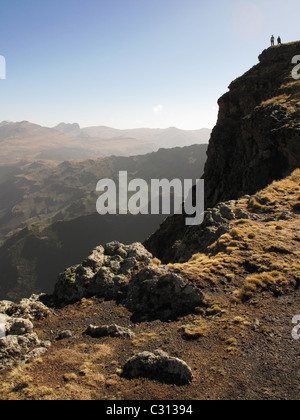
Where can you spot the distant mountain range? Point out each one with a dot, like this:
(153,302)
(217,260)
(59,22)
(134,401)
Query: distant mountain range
(27,141)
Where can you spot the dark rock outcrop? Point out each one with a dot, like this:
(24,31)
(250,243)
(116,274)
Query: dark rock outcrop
(179,245)
(257,137)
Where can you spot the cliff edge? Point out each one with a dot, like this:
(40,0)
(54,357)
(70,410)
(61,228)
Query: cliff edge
(255,141)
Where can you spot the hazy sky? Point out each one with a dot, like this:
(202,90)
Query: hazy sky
(131,63)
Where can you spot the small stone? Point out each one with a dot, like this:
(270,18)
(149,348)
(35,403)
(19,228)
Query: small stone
(226,211)
(109,331)
(36,353)
(19,326)
(68,377)
(241,214)
(64,335)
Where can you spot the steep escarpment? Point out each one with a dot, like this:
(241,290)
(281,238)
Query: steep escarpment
(256,140)
(257,137)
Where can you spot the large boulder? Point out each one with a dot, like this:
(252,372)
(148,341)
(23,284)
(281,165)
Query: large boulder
(17,336)
(161,293)
(105,273)
(158,366)
(32,308)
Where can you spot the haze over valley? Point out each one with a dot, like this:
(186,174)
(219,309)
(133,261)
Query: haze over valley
(27,141)
(48,212)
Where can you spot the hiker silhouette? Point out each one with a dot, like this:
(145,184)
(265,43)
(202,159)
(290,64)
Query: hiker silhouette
(272,41)
(279,40)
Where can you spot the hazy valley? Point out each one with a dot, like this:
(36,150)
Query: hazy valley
(47,206)
(25,141)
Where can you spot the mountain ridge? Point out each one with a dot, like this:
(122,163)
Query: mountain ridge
(27,141)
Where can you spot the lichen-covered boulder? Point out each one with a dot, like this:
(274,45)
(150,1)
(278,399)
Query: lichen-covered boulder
(17,336)
(32,308)
(104,273)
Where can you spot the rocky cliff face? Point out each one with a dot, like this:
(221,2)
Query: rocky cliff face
(257,137)
(256,140)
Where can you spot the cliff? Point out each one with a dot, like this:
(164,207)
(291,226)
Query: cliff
(257,137)
(256,140)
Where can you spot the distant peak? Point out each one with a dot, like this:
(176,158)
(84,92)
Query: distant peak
(67,127)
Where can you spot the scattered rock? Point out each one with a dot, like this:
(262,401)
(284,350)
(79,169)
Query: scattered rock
(158,366)
(35,354)
(31,308)
(18,326)
(241,214)
(64,335)
(256,325)
(286,215)
(226,211)
(109,331)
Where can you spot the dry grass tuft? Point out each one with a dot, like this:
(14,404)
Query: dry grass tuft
(272,281)
(195,331)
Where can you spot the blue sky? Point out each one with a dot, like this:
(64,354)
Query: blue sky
(131,63)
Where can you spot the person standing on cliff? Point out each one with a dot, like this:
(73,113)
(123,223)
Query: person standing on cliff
(279,40)
(272,41)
